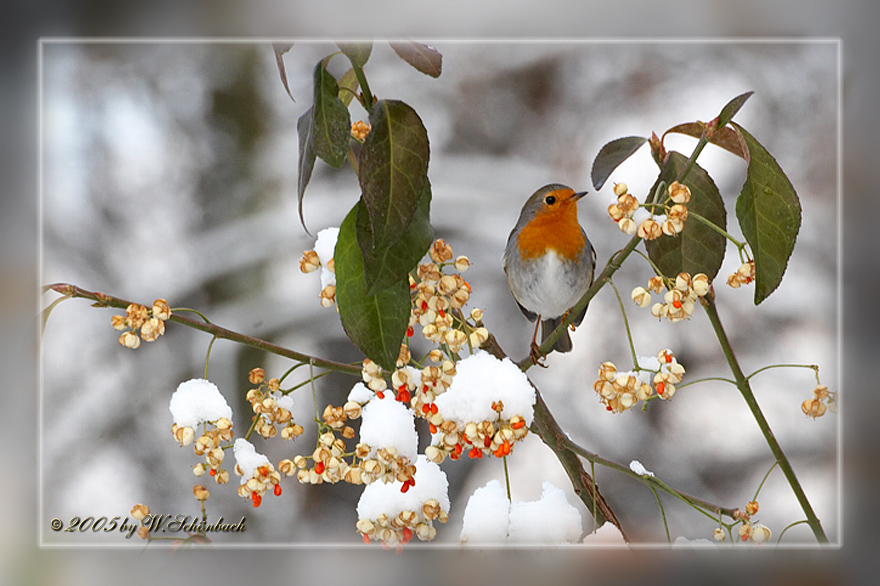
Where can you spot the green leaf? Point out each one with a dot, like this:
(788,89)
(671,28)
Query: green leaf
(331,122)
(698,248)
(731,108)
(393,169)
(612,155)
(424,58)
(385,266)
(348,85)
(726,138)
(306,160)
(769,214)
(374,323)
(357,53)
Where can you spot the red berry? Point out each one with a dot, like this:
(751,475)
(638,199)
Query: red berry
(380,394)
(366,538)
(405,487)
(441,313)
(319,468)
(257,499)
(432,428)
(212,472)
(277,490)
(409,332)
(424,306)
(661,388)
(407,534)
(487,441)
(434,409)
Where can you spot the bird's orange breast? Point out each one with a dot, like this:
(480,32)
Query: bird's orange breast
(553,229)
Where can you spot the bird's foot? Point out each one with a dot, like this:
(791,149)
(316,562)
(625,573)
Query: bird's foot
(537,357)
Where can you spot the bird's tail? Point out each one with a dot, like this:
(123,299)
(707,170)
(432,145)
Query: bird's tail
(563,343)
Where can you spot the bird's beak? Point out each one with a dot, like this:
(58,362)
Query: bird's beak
(579,195)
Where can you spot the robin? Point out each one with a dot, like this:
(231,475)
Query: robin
(549,261)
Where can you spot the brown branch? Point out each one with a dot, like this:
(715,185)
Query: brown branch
(104,300)
(546,427)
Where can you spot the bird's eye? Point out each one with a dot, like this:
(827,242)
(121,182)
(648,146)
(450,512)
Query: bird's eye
(550,200)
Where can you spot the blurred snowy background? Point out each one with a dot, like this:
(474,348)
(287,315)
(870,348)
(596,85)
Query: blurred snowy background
(169,170)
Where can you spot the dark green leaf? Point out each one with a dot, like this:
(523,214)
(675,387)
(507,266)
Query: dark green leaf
(698,248)
(306,160)
(393,169)
(612,155)
(348,85)
(280,49)
(374,323)
(769,214)
(731,108)
(331,122)
(385,266)
(424,58)
(726,138)
(357,53)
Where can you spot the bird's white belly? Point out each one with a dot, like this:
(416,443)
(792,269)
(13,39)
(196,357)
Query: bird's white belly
(548,286)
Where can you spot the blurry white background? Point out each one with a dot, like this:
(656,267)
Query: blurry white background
(170,171)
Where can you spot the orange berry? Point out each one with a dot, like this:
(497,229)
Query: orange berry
(676,304)
(212,472)
(661,388)
(366,538)
(518,424)
(380,394)
(257,499)
(319,468)
(432,428)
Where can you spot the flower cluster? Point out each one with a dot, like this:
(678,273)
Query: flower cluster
(822,400)
(393,516)
(400,529)
(744,275)
(271,406)
(150,323)
(322,258)
(258,474)
(486,409)
(623,212)
(435,295)
(360,130)
(209,445)
(620,391)
(199,402)
(477,439)
(679,299)
(329,464)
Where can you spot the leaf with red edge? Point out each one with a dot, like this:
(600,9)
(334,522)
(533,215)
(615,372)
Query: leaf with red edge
(357,53)
(727,138)
(280,49)
(424,58)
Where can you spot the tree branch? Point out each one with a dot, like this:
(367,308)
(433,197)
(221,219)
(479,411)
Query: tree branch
(104,300)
